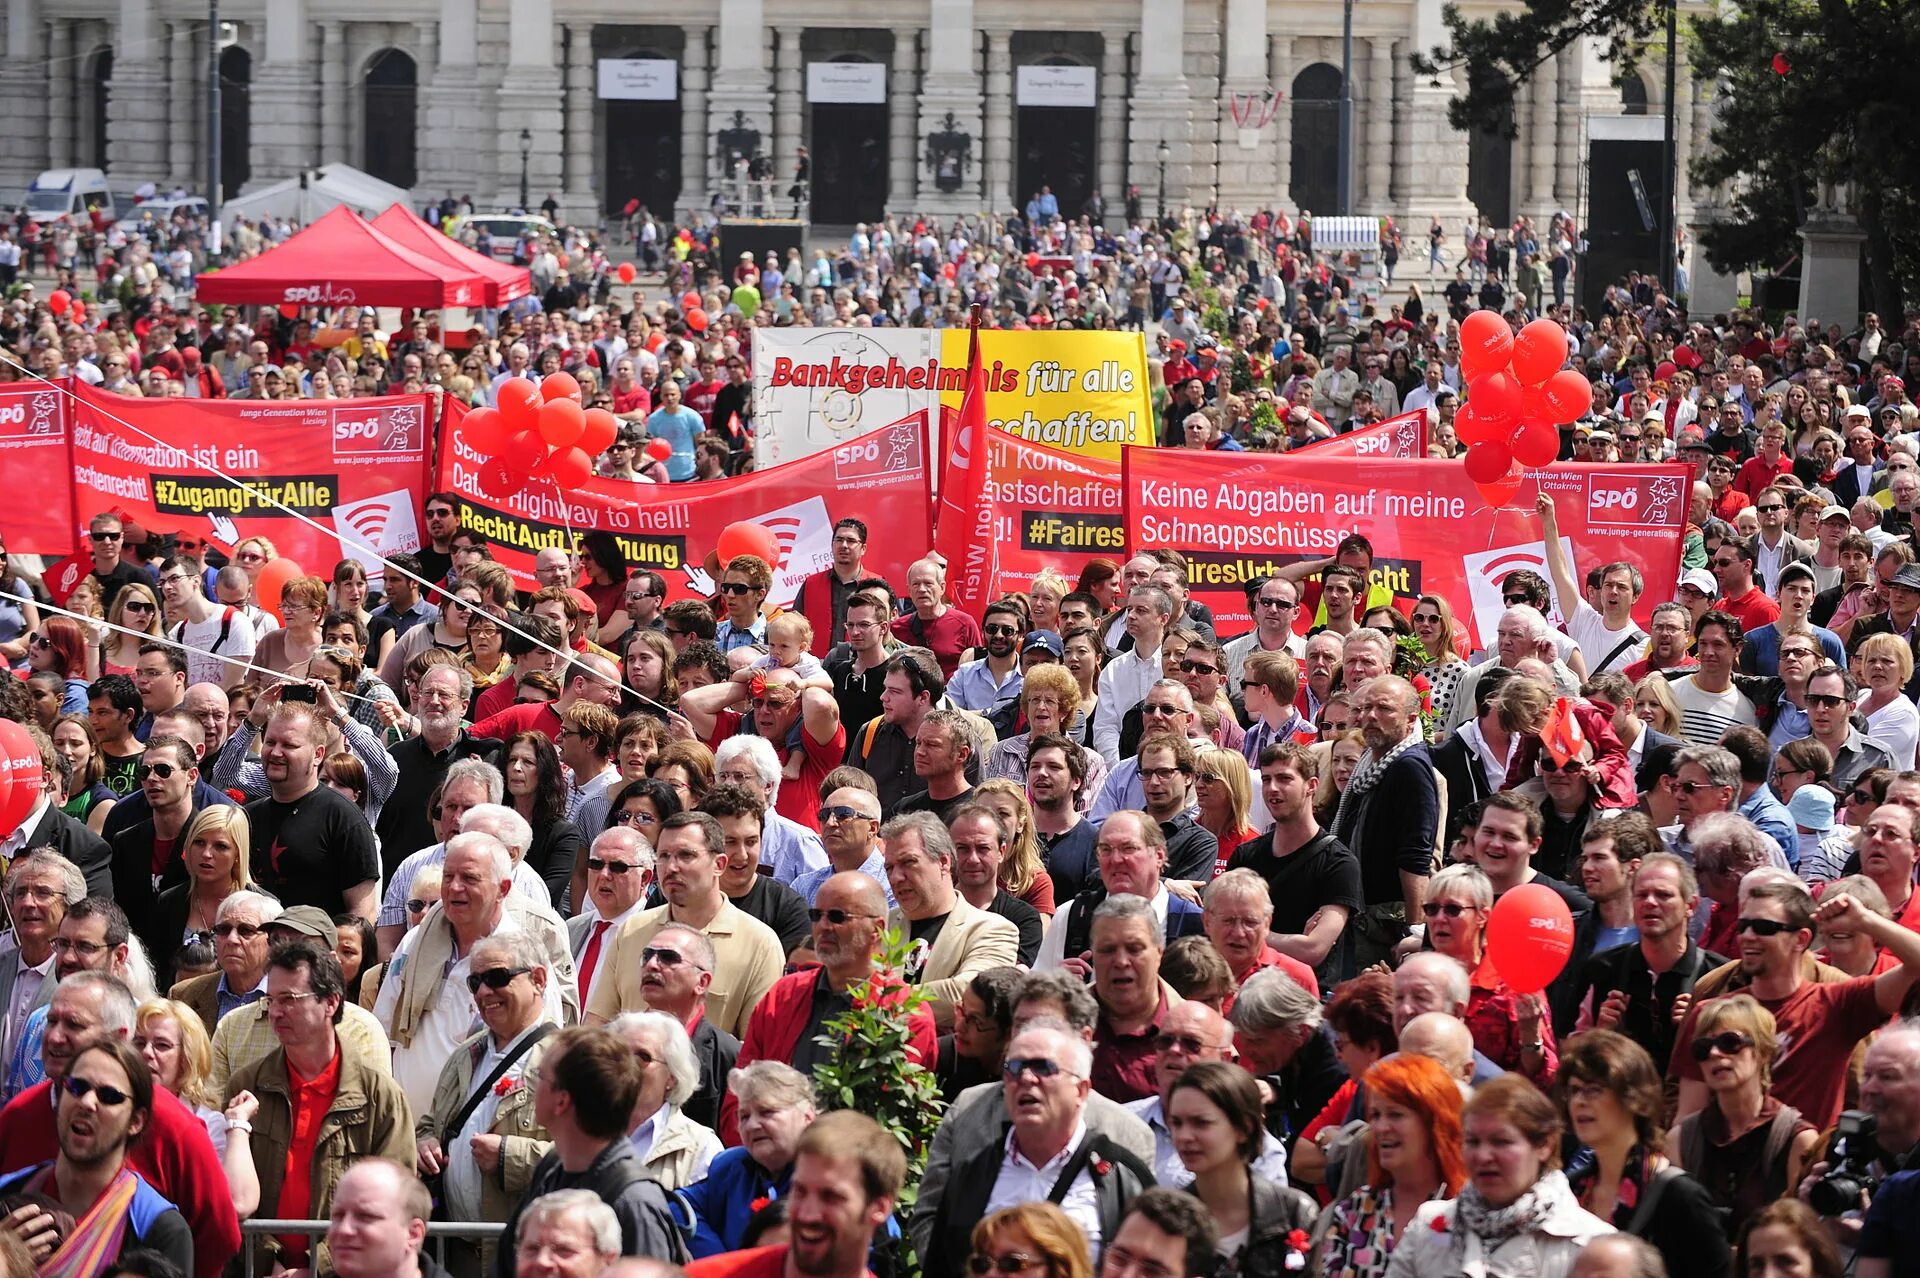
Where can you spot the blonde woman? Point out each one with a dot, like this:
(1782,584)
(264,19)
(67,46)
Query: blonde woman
(135,608)
(1654,705)
(1022,872)
(217,850)
(174,1043)
(1434,626)
(1885,663)
(85,600)
(1223,787)
(1049,587)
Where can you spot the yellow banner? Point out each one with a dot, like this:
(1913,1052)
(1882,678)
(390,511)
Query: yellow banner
(1084,393)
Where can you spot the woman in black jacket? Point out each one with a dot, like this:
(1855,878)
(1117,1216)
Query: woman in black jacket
(1217,1123)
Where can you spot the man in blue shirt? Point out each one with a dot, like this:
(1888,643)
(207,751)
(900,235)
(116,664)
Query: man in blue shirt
(678,425)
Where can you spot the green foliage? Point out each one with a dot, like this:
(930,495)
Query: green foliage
(1239,372)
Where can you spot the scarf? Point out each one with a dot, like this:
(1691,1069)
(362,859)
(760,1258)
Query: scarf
(97,1238)
(421,972)
(1366,775)
(1494,1226)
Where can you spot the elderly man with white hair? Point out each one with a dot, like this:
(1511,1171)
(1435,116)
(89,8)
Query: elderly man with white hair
(240,959)
(787,847)
(424,1003)
(532,908)
(561,1231)
(468,785)
(1284,1043)
(673,1149)
(1429,983)
(1522,634)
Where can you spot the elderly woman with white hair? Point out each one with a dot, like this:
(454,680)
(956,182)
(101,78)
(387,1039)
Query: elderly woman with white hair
(787,848)
(569,1233)
(776,1105)
(673,1149)
(1512,1030)
(1284,1043)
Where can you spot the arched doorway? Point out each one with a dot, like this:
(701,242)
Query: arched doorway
(1316,139)
(390,99)
(1633,96)
(643,147)
(236,119)
(102,97)
(1056,147)
(1490,171)
(849,145)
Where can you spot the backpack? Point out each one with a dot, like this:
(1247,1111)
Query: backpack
(226,628)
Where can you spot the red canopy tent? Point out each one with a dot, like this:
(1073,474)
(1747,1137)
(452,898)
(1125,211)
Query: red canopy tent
(504,282)
(342,260)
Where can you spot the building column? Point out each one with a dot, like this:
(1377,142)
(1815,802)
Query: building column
(1281,60)
(1543,139)
(999,141)
(59,94)
(334,145)
(1161,105)
(24,76)
(527,101)
(1566,133)
(1245,167)
(789,104)
(577,201)
(183,107)
(1398,181)
(740,80)
(903,155)
(694,151)
(1111,166)
(449,101)
(1683,99)
(1438,185)
(1377,164)
(949,84)
(284,134)
(137,124)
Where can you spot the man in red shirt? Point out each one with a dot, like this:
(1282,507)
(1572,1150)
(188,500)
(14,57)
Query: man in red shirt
(1820,1023)
(1733,567)
(1759,471)
(803,724)
(591,678)
(933,623)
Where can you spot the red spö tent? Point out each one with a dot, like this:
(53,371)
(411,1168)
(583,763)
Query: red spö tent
(504,282)
(341,260)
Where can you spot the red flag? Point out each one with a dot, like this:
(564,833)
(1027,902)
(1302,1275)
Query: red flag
(963,533)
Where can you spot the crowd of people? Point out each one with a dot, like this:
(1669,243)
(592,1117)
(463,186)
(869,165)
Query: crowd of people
(530,908)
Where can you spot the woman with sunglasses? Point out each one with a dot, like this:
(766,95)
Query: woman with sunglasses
(1223,790)
(88,798)
(1511,1030)
(1218,1126)
(135,608)
(1033,1240)
(59,648)
(217,845)
(537,790)
(1438,633)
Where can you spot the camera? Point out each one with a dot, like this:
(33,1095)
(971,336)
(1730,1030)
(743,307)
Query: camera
(1852,1171)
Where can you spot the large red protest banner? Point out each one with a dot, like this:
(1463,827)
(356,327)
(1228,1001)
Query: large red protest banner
(39,516)
(1059,509)
(1236,517)
(879,477)
(357,468)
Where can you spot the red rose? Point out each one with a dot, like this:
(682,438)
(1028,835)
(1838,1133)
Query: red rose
(758,1204)
(1439,1224)
(1298,1239)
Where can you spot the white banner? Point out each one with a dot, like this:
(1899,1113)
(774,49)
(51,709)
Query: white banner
(1045,86)
(863,82)
(792,420)
(640,79)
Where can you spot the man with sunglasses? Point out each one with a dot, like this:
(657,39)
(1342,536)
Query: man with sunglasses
(619,875)
(106,537)
(148,856)
(1191,1033)
(1823,1021)
(850,830)
(1275,603)
(849,918)
(240,945)
(994,679)
(1829,697)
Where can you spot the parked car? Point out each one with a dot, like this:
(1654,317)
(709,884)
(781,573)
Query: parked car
(504,230)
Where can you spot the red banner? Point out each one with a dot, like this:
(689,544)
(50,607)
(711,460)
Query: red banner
(1431,531)
(879,477)
(40,519)
(1403,438)
(358,468)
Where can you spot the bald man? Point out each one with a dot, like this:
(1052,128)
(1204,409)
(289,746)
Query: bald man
(850,831)
(1192,1033)
(1442,1038)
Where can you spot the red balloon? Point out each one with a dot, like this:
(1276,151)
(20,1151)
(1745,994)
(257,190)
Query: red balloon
(272,580)
(1536,443)
(518,400)
(289,311)
(1539,351)
(1529,937)
(601,429)
(1781,64)
(559,386)
(658,450)
(20,774)
(626,272)
(697,320)
(1502,490)
(1486,344)
(59,300)
(568,467)
(524,452)
(1568,395)
(499,481)
(1470,426)
(745,538)
(690,301)
(1685,356)
(562,422)
(486,431)
(1488,460)
(1498,397)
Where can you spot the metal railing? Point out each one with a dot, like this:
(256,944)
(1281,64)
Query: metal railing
(438,1232)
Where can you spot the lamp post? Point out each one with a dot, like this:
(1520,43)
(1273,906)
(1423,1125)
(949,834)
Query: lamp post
(214,140)
(1345,186)
(1163,153)
(526,152)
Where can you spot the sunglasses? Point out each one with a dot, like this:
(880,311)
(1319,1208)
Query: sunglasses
(1452,909)
(1012,1263)
(1198,667)
(245,931)
(494,978)
(1185,1042)
(1768,510)
(735,588)
(664,957)
(1827,699)
(108,1096)
(1038,1066)
(1165,711)
(841,814)
(1859,796)
(1514,600)
(1727,1043)
(1695,787)
(1761,927)
(161,770)
(417,906)
(1282,605)
(1000,632)
(137,605)
(839,918)
(1549,764)
(102,536)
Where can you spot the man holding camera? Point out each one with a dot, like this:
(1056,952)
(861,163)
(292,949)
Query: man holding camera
(1884,1142)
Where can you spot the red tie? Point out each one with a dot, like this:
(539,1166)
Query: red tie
(591,956)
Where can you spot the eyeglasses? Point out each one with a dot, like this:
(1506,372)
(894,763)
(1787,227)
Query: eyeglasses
(839,918)
(1452,909)
(1761,927)
(162,770)
(245,931)
(494,978)
(735,588)
(417,906)
(108,1096)
(1185,1042)
(1038,1066)
(1695,787)
(1012,1263)
(1727,1043)
(285,1002)
(841,814)
(85,949)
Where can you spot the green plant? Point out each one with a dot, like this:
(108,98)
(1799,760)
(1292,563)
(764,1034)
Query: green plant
(870,1071)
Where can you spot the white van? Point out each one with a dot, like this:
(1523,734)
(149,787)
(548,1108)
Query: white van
(69,192)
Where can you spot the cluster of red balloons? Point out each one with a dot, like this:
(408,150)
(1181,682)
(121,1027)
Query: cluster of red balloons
(20,777)
(1519,391)
(538,431)
(692,312)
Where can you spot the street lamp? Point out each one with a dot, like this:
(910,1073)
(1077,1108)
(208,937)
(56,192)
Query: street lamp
(1163,153)
(526,151)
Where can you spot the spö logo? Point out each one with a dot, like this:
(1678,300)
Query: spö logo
(1618,501)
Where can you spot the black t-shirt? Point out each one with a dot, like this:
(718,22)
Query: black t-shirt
(857,691)
(123,573)
(434,564)
(122,775)
(1740,444)
(311,851)
(780,908)
(1321,872)
(925,802)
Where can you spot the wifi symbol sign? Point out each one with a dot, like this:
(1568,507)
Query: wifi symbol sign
(786,531)
(369,522)
(1498,568)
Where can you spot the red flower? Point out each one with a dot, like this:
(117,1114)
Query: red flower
(505,1085)
(757,683)
(1422,683)
(1298,1239)
(1439,1224)
(758,1204)
(1781,64)
(1101,1167)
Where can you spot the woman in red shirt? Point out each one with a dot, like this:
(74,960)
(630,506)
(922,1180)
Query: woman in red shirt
(1223,785)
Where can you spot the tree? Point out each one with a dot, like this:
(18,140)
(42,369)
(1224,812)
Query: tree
(1832,111)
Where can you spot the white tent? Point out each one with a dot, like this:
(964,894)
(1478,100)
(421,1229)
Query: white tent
(303,199)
